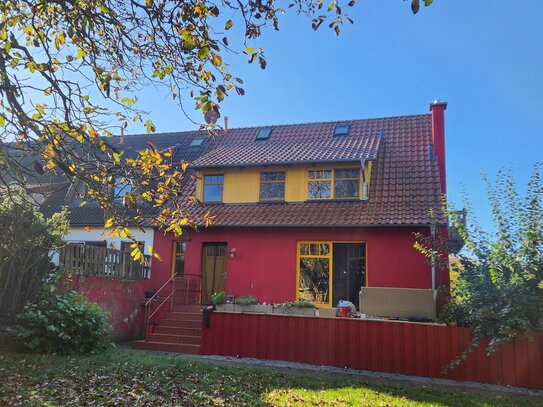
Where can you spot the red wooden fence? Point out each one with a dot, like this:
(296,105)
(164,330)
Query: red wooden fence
(396,347)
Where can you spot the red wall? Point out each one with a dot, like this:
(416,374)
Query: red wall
(405,348)
(265,261)
(123,299)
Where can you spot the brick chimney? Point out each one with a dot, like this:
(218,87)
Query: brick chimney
(438,139)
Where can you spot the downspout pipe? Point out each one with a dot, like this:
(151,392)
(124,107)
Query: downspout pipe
(364,184)
(433,258)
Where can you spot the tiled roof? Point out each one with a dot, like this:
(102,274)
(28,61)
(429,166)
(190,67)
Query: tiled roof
(90,214)
(179,140)
(404,182)
(297,143)
(404,187)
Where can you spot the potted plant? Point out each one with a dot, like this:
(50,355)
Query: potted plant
(301,307)
(218,300)
(245,303)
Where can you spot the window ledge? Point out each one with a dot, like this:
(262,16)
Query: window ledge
(272,201)
(336,200)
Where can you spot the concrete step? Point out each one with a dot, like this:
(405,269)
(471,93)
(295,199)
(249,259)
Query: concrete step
(180,323)
(168,338)
(188,308)
(167,347)
(173,330)
(184,316)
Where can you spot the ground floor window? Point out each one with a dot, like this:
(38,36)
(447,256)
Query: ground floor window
(179,257)
(331,271)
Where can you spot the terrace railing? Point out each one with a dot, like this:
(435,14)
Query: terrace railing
(92,261)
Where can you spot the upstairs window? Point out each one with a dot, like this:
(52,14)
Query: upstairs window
(342,130)
(272,186)
(96,243)
(264,133)
(341,183)
(213,186)
(179,257)
(319,184)
(346,183)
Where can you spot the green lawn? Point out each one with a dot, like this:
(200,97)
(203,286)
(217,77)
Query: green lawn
(121,377)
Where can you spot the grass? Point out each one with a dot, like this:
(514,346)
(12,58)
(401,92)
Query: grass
(129,378)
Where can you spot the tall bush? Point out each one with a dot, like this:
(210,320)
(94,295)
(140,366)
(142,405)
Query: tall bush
(26,241)
(499,288)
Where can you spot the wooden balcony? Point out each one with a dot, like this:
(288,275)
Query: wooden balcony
(91,261)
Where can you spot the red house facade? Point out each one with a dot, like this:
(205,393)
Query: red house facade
(314,211)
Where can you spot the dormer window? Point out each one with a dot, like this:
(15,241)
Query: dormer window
(342,130)
(264,133)
(340,183)
(272,186)
(213,187)
(196,141)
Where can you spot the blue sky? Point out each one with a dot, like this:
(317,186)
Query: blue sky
(484,58)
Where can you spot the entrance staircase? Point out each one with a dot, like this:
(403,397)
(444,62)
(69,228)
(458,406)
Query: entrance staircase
(179,331)
(173,318)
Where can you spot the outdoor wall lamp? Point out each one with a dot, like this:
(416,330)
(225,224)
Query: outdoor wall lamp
(232,252)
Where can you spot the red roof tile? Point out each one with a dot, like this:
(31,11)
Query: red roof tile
(298,143)
(404,182)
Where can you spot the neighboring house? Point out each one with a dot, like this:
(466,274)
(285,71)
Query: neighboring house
(87,222)
(316,212)
(37,185)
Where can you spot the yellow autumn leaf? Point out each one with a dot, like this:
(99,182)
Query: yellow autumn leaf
(93,133)
(60,40)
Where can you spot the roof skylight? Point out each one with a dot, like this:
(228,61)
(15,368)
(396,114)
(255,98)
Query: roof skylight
(342,130)
(196,141)
(264,133)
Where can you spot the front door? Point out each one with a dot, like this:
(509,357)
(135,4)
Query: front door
(349,265)
(213,270)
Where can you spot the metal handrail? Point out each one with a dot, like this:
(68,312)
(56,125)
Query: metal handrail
(150,313)
(153,299)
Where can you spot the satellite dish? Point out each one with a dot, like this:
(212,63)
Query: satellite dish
(211,116)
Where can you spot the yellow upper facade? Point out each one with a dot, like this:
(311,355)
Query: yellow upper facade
(293,183)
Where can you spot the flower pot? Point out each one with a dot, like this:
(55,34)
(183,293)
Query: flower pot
(263,309)
(294,311)
(243,308)
(225,308)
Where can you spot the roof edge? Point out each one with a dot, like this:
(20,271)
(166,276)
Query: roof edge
(354,160)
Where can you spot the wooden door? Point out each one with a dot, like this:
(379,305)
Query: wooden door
(213,270)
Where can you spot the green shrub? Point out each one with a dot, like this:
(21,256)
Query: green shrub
(64,323)
(246,300)
(218,298)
